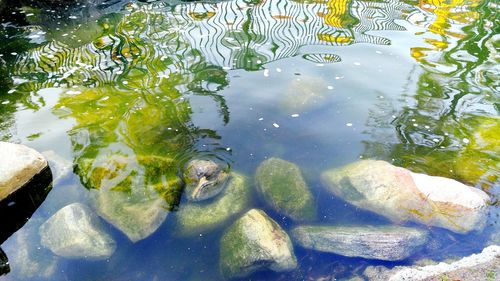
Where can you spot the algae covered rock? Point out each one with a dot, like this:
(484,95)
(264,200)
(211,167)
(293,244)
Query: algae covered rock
(282,186)
(200,217)
(137,215)
(402,195)
(76,232)
(255,242)
(128,195)
(204,179)
(389,243)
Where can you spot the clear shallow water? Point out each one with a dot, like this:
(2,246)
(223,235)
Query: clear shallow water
(317,83)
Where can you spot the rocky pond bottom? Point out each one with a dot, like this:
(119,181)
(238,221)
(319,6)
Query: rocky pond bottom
(260,223)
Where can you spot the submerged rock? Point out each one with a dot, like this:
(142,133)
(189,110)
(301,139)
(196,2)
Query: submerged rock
(402,195)
(196,218)
(18,165)
(482,266)
(76,232)
(304,94)
(255,242)
(389,243)
(137,214)
(204,180)
(282,186)
(133,193)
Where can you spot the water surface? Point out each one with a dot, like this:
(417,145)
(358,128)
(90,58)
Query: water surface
(319,83)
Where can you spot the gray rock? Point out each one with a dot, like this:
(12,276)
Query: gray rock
(402,195)
(282,186)
(201,217)
(255,242)
(76,232)
(137,214)
(204,179)
(389,243)
(483,266)
(18,165)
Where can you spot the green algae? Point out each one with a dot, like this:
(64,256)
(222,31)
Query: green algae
(282,186)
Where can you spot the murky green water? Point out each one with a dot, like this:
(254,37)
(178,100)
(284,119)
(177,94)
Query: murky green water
(130,92)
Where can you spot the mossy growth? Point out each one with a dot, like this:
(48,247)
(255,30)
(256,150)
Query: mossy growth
(202,217)
(235,249)
(254,242)
(282,186)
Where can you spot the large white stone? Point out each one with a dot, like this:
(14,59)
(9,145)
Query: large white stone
(18,165)
(76,232)
(402,195)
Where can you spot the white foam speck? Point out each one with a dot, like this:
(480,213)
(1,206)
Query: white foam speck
(348,124)
(260,119)
(330,87)
(295,115)
(276,125)
(465,140)
(266,72)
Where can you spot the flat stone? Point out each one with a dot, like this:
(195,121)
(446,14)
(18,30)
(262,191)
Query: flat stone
(18,165)
(202,217)
(282,186)
(402,195)
(482,266)
(389,243)
(76,232)
(255,242)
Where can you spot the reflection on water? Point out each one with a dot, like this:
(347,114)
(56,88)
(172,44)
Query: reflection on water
(133,76)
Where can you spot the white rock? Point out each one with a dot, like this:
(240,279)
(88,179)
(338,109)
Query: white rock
(402,195)
(18,165)
(76,232)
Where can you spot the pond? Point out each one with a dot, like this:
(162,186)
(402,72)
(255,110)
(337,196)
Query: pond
(129,93)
